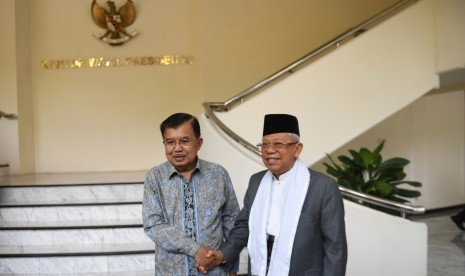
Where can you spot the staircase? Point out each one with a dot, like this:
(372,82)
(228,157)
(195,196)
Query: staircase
(68,229)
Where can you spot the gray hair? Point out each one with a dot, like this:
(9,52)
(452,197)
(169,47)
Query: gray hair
(294,137)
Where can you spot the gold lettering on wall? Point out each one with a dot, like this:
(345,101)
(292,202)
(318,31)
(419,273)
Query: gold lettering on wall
(109,62)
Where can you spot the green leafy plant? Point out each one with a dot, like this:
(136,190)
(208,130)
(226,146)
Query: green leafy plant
(365,171)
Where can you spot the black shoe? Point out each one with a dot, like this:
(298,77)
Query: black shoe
(458,222)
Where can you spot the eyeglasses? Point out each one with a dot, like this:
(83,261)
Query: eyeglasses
(275,145)
(184,142)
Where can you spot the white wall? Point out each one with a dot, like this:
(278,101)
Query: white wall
(450,34)
(106,119)
(401,246)
(121,108)
(246,41)
(25,96)
(438,149)
(343,94)
(9,140)
(360,85)
(430,133)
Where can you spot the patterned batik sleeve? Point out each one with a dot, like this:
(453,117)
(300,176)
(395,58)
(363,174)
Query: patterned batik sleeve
(157,225)
(231,207)
(230,212)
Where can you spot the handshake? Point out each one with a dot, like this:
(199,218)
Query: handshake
(206,258)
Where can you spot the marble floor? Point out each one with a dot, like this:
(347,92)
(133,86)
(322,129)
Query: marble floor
(446,244)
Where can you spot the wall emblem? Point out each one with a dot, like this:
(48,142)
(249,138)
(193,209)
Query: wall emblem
(114,22)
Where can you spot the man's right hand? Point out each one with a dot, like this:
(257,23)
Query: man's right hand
(204,259)
(217,259)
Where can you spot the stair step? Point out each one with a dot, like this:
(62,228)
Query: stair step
(76,224)
(81,202)
(71,213)
(131,264)
(61,250)
(71,193)
(75,237)
(74,179)
(134,273)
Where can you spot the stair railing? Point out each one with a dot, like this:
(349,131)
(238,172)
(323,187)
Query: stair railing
(212,107)
(9,116)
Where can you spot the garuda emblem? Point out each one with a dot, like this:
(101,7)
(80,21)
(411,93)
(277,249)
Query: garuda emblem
(114,22)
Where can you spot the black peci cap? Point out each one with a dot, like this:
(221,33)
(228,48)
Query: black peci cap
(280,123)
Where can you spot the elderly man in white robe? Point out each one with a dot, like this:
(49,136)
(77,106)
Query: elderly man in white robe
(292,221)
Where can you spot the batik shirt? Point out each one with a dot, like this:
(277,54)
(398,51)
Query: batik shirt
(181,215)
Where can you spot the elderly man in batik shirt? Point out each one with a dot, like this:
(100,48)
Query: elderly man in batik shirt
(189,204)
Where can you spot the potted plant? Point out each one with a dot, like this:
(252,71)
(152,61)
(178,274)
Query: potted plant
(365,171)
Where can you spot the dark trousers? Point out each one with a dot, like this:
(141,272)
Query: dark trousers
(461,215)
(269,243)
(459,219)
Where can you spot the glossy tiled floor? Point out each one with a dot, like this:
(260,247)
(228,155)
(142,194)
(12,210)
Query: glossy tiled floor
(446,245)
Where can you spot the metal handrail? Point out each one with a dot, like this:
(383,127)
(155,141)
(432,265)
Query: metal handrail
(212,107)
(10,116)
(336,42)
(209,110)
(402,208)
